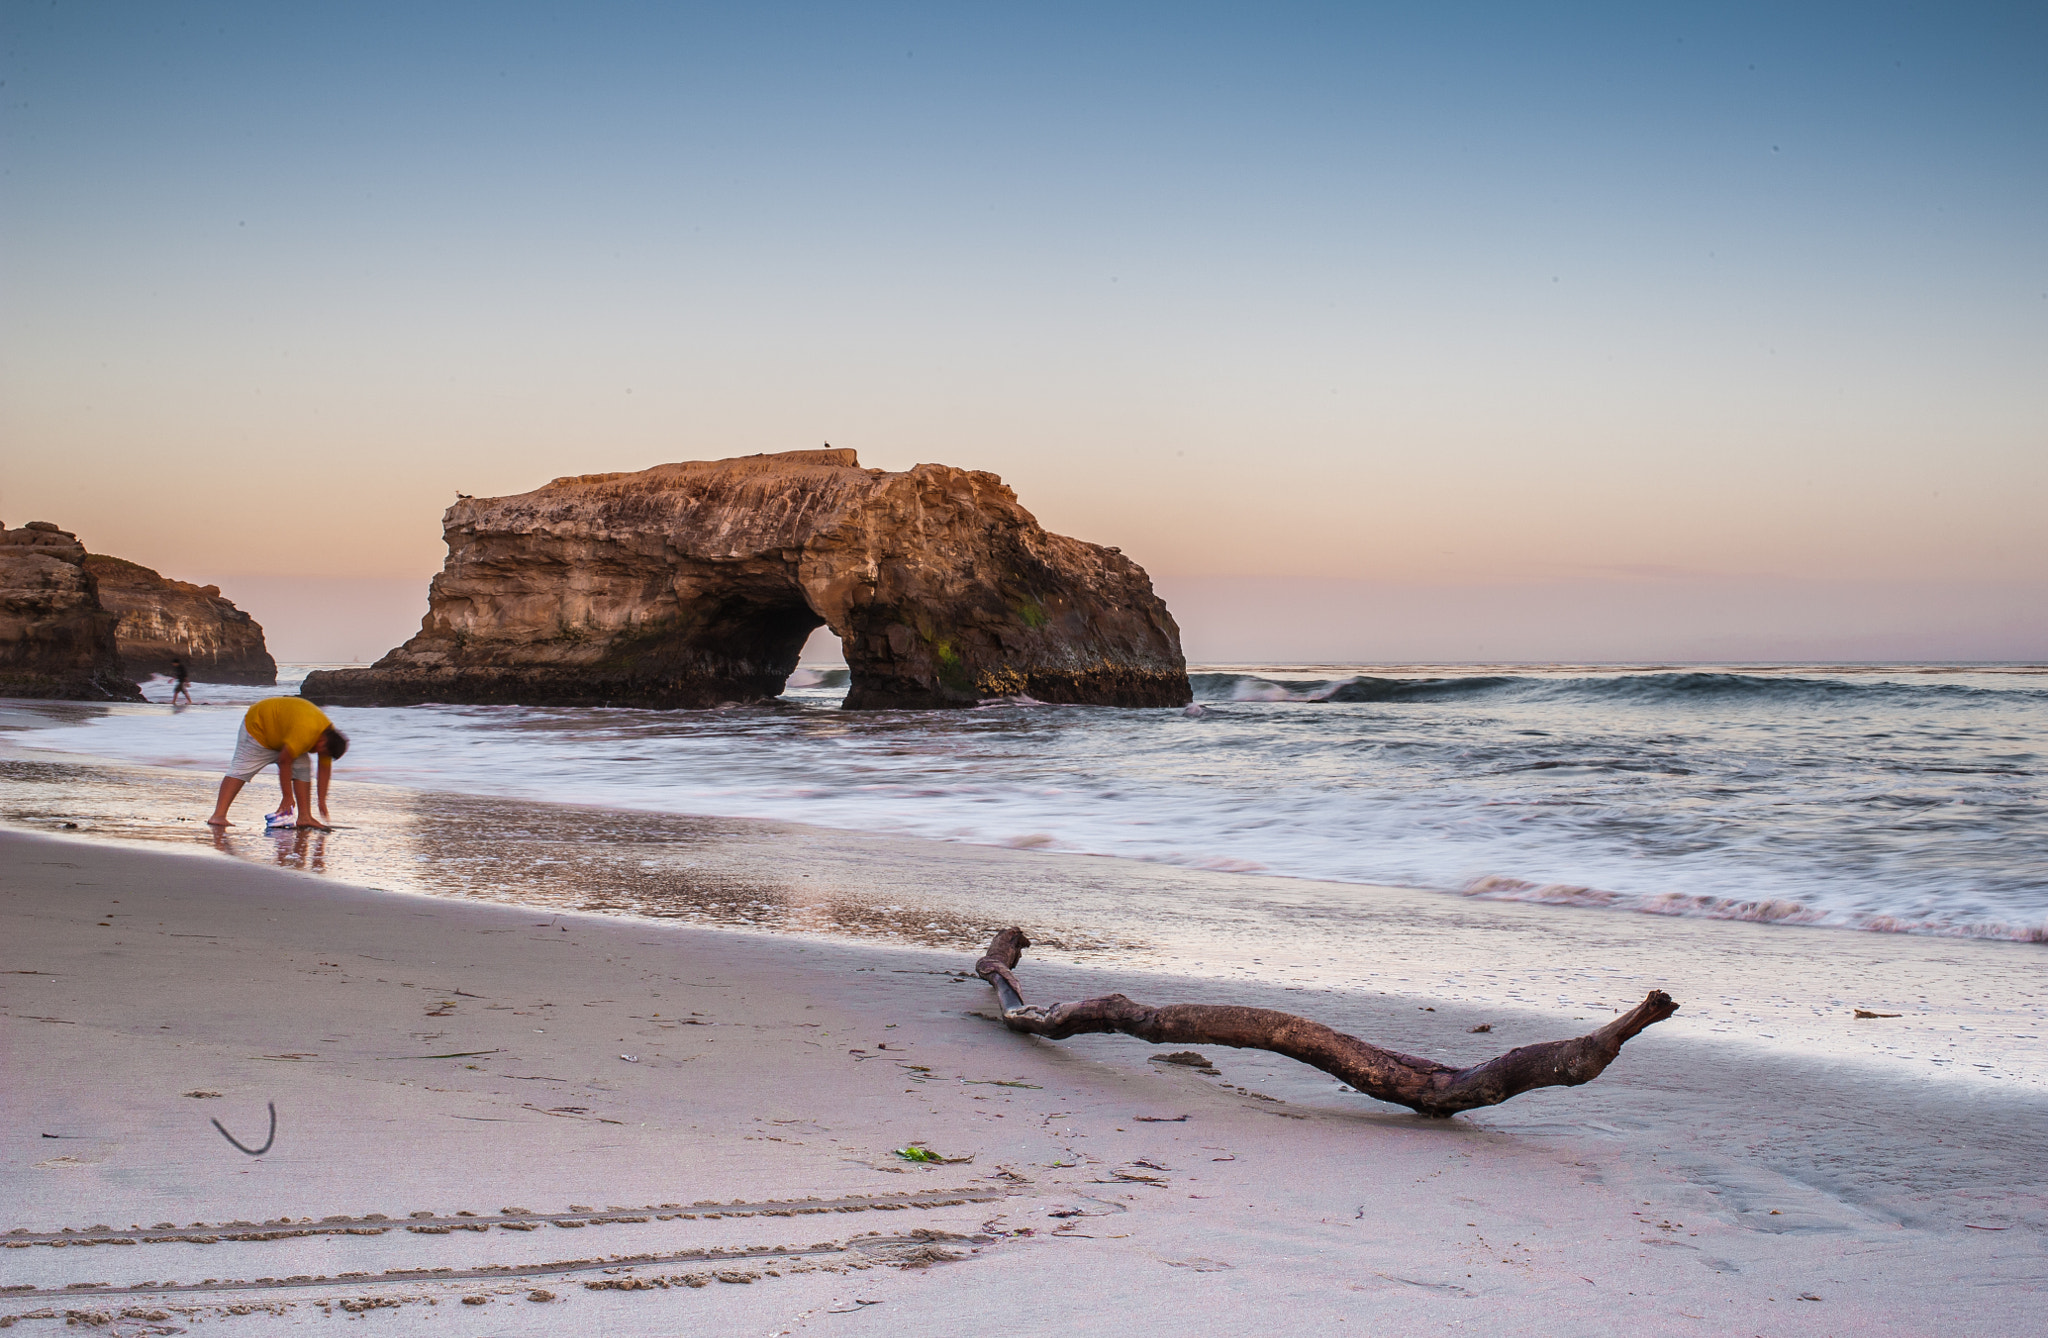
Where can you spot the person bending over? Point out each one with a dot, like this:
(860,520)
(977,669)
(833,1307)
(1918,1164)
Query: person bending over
(291,732)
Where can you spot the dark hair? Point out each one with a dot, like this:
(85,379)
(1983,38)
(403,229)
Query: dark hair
(336,741)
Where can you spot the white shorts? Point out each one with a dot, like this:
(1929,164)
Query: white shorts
(251,757)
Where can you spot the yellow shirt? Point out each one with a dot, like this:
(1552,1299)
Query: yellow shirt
(286,722)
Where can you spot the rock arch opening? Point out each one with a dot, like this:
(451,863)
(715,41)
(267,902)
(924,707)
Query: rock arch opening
(739,643)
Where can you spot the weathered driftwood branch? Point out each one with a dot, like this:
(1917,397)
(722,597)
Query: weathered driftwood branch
(1423,1085)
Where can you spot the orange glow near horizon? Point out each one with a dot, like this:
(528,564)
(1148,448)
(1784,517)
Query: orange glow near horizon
(1541,302)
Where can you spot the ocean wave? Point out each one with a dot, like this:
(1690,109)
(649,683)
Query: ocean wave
(1756,910)
(1647,687)
(1900,807)
(804,677)
(1248,687)
(1363,689)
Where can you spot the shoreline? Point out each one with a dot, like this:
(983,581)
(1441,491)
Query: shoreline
(1695,1178)
(1618,818)
(28,717)
(1969,1009)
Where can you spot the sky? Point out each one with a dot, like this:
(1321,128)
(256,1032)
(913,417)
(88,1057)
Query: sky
(1373,332)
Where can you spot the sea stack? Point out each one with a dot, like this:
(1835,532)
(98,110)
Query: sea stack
(162,619)
(696,584)
(56,640)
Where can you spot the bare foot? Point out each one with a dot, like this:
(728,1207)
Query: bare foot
(218,822)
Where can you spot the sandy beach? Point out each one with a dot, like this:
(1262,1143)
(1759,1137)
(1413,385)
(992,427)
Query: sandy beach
(459,1083)
(1436,540)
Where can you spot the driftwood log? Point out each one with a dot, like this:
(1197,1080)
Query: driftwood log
(1422,1085)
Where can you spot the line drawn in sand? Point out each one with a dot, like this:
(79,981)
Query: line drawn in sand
(254,1152)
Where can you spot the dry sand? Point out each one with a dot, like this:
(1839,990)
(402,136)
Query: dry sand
(615,1076)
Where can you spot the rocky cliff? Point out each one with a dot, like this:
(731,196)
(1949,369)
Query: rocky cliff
(690,585)
(55,638)
(162,618)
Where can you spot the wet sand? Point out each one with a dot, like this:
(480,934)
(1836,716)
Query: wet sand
(1969,1012)
(591,1060)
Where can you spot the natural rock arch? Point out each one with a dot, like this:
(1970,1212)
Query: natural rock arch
(695,584)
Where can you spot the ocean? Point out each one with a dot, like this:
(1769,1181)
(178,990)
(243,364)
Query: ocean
(1881,798)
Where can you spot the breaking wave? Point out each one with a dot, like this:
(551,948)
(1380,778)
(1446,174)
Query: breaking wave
(1755,910)
(1646,687)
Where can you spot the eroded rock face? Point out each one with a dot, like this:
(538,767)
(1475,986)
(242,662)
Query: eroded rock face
(691,585)
(55,638)
(162,618)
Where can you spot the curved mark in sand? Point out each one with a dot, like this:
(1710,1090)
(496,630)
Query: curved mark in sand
(254,1152)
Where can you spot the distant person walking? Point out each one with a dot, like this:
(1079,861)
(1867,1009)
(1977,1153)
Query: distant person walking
(291,732)
(184,677)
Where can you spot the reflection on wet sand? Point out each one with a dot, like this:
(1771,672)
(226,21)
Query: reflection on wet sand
(706,871)
(292,847)
(1549,966)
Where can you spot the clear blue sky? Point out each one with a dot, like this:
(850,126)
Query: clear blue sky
(1428,297)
